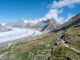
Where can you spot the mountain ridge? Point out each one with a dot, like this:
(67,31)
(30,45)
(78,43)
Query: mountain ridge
(73,21)
(3,29)
(41,25)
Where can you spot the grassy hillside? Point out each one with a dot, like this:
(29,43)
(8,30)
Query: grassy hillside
(73,34)
(62,52)
(30,50)
(39,49)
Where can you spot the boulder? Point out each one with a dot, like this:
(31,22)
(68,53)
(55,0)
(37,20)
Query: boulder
(61,34)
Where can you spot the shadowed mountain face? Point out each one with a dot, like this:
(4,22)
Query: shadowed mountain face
(73,21)
(52,25)
(42,25)
(0,25)
(3,29)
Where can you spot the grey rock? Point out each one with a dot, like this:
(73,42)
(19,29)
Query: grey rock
(61,34)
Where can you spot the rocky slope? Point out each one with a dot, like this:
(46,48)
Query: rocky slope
(73,21)
(3,29)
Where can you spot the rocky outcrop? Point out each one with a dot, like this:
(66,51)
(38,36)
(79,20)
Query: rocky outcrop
(78,25)
(52,25)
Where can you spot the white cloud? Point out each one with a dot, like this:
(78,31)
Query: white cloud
(56,5)
(63,3)
(70,15)
(53,13)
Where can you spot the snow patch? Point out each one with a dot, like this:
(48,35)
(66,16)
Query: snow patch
(25,21)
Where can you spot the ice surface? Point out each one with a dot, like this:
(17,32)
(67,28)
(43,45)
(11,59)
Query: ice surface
(17,33)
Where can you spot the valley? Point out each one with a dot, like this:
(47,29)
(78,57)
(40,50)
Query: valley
(44,40)
(39,29)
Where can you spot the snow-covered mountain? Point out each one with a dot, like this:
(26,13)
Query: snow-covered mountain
(3,29)
(37,24)
(23,23)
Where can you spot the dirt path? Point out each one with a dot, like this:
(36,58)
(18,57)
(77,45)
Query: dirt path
(4,54)
(77,51)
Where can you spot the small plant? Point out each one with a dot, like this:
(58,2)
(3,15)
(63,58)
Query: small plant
(20,43)
(2,51)
(62,52)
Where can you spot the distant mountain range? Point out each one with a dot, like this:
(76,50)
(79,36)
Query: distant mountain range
(45,25)
(42,25)
(3,29)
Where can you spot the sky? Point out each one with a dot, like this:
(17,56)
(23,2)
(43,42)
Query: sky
(60,10)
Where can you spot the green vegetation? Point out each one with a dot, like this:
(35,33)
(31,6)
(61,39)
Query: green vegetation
(62,53)
(20,43)
(30,54)
(34,52)
(74,34)
(2,51)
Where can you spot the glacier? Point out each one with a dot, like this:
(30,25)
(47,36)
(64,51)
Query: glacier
(17,33)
